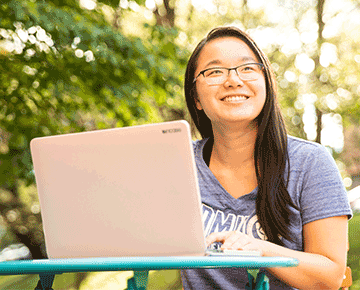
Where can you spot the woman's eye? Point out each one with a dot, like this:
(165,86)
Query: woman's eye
(248,68)
(215,72)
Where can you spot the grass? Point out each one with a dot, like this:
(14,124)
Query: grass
(159,280)
(21,282)
(354,251)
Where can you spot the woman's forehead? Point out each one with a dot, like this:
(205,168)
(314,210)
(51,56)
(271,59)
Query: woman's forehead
(223,50)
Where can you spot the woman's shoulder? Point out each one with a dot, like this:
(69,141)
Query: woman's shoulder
(301,150)
(296,141)
(298,145)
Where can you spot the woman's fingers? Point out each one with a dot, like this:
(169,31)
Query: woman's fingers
(236,241)
(217,237)
(230,240)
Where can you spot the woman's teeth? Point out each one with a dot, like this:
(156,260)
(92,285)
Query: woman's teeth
(235,98)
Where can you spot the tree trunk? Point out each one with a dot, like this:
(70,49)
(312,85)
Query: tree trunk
(27,237)
(320,40)
(320,12)
(165,16)
(318,125)
(34,247)
(117,18)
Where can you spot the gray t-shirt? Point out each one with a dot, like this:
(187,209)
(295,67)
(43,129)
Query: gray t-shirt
(315,186)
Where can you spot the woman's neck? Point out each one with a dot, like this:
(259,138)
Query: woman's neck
(234,148)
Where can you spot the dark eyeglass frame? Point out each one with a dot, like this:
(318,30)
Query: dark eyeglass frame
(261,66)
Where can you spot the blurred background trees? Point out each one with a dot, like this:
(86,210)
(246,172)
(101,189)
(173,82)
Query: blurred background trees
(77,65)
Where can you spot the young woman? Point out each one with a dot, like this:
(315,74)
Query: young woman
(261,189)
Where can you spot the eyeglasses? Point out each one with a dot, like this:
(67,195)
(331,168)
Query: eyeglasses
(218,75)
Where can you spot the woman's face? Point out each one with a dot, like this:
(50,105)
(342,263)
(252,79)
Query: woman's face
(235,101)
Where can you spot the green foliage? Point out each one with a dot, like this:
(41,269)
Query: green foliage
(354,251)
(66,70)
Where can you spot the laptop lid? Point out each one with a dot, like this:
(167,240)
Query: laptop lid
(119,192)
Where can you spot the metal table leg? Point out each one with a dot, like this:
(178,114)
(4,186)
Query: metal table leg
(260,282)
(45,282)
(139,281)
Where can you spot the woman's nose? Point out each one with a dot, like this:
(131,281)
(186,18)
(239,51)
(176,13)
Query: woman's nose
(233,79)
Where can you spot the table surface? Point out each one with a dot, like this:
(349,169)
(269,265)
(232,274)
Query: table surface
(59,266)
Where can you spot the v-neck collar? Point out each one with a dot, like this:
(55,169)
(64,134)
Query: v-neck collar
(233,202)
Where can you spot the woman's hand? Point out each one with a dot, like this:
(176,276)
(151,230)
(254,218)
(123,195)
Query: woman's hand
(236,241)
(321,264)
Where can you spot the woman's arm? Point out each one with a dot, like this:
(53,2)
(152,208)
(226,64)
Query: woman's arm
(321,265)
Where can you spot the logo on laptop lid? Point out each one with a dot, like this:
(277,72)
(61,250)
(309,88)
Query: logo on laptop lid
(175,130)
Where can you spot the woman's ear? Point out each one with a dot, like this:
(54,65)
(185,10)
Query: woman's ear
(198,104)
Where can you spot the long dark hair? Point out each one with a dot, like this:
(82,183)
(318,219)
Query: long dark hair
(271,156)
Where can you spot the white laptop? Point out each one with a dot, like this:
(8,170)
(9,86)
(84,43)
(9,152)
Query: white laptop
(129,191)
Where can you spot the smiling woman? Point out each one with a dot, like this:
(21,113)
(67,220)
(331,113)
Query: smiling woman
(261,189)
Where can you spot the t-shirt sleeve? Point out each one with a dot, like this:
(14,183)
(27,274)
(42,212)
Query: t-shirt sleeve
(323,194)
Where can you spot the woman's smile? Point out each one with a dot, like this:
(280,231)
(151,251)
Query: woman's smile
(235,99)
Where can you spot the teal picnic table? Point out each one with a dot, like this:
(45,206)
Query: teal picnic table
(47,269)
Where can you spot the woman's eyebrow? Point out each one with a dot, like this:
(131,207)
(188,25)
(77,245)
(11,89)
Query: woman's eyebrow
(216,61)
(242,59)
